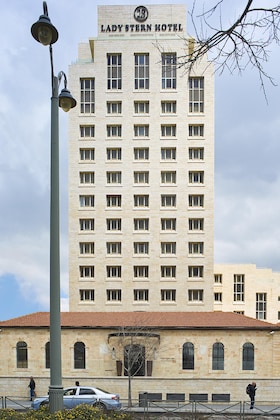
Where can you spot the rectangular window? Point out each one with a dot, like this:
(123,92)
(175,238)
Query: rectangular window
(86,248)
(86,200)
(195,295)
(87,96)
(141,177)
(86,224)
(114,153)
(141,224)
(195,271)
(86,177)
(168,200)
(114,248)
(141,200)
(196,130)
(141,153)
(114,177)
(168,130)
(114,271)
(168,295)
(196,177)
(218,278)
(113,200)
(114,295)
(87,131)
(196,94)
(238,287)
(141,295)
(114,224)
(168,247)
(168,107)
(87,271)
(141,247)
(141,271)
(196,153)
(218,297)
(114,131)
(196,225)
(196,200)
(168,224)
(261,300)
(114,71)
(87,154)
(141,131)
(114,107)
(141,71)
(168,177)
(86,295)
(168,70)
(141,107)
(168,153)
(168,271)
(196,248)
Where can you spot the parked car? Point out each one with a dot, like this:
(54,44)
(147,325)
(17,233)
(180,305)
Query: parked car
(76,395)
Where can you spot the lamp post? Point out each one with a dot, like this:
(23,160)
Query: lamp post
(44,32)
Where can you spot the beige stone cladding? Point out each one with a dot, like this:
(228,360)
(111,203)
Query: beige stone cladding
(247,289)
(178,265)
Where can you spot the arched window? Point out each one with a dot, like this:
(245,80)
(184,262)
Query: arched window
(79,355)
(218,356)
(22,361)
(248,356)
(134,360)
(188,356)
(47,355)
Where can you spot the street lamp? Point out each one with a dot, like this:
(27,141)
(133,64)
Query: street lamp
(45,33)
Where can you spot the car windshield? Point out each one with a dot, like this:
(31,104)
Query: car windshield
(102,390)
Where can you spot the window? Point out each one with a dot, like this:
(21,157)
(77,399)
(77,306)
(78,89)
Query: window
(196,248)
(87,131)
(141,71)
(238,287)
(195,295)
(168,70)
(168,200)
(114,271)
(168,153)
(196,177)
(141,107)
(196,94)
(114,177)
(141,177)
(86,224)
(141,248)
(141,153)
(141,131)
(196,153)
(188,356)
(218,297)
(196,130)
(114,71)
(87,96)
(141,295)
(79,355)
(141,224)
(168,107)
(87,154)
(195,271)
(168,271)
(86,271)
(218,356)
(248,356)
(114,248)
(47,355)
(218,278)
(114,295)
(196,225)
(114,153)
(86,248)
(114,200)
(114,224)
(141,201)
(86,295)
(86,177)
(168,130)
(22,359)
(114,107)
(86,200)
(196,200)
(168,247)
(168,177)
(168,224)
(261,305)
(114,130)
(168,295)
(141,271)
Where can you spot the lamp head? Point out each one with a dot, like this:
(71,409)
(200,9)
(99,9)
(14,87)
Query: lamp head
(43,30)
(66,100)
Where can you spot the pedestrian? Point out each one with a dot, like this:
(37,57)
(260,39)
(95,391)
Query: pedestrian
(77,383)
(251,391)
(32,387)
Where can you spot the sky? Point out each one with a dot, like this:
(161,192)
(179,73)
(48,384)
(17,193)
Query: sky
(247,150)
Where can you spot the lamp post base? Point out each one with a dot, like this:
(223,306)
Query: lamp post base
(56,398)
